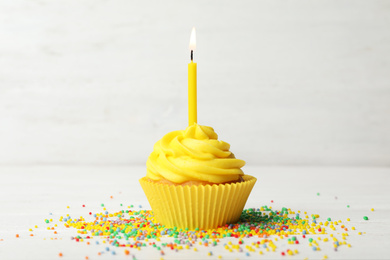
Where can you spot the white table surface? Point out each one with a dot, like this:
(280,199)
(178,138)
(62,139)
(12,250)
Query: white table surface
(29,194)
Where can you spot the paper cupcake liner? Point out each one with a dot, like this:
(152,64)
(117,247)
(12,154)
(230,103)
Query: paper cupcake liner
(197,206)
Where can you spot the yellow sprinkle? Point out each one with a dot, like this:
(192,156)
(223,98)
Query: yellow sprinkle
(260,252)
(36,226)
(67,206)
(195,249)
(30,229)
(372,209)
(348,219)
(220,257)
(353,228)
(359,233)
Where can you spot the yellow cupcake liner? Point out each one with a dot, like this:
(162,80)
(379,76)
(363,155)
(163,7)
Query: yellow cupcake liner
(197,206)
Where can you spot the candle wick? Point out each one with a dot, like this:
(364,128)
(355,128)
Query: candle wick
(192,55)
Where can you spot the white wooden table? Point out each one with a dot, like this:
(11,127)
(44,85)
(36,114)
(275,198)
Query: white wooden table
(31,194)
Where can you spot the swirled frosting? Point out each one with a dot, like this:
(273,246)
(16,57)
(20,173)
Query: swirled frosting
(193,154)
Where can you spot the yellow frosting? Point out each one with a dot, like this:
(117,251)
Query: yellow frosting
(193,154)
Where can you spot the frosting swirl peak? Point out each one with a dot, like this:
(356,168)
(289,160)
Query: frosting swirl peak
(193,154)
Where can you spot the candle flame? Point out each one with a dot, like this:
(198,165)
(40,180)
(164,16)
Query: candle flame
(193,39)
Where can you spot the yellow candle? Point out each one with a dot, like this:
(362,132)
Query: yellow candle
(192,103)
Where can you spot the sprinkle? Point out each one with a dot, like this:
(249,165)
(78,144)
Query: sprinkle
(60,254)
(365,218)
(372,209)
(136,229)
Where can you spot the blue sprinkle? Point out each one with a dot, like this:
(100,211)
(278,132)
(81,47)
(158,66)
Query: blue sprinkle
(113,252)
(211,253)
(304,232)
(50,213)
(140,206)
(97,242)
(314,248)
(106,212)
(107,249)
(247,254)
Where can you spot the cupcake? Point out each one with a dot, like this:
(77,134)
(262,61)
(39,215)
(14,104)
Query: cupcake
(194,181)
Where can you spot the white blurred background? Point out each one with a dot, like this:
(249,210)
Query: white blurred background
(284,82)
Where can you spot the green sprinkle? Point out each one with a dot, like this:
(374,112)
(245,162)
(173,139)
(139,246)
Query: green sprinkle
(102,205)
(46,220)
(318,194)
(365,218)
(329,219)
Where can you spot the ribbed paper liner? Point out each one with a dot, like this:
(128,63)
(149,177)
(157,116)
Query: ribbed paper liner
(197,206)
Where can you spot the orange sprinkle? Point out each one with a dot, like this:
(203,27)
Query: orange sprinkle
(127,252)
(17,235)
(60,254)
(86,257)
(55,232)
(87,243)
(31,235)
(99,253)
(111,197)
